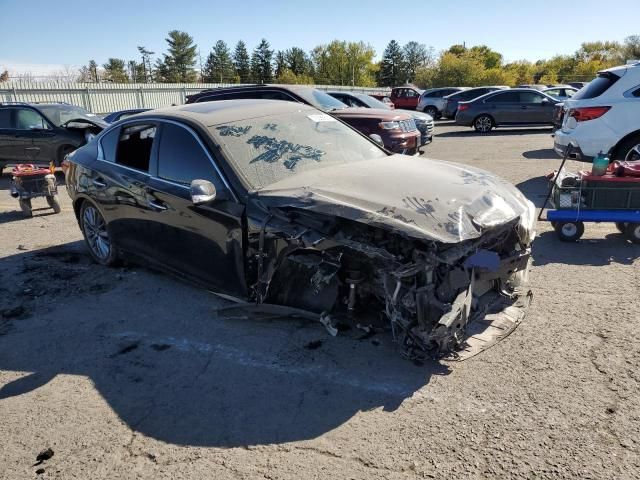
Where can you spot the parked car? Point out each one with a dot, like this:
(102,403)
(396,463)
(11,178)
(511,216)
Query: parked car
(281,205)
(561,92)
(577,85)
(424,122)
(406,97)
(535,86)
(513,107)
(122,114)
(604,116)
(383,98)
(41,133)
(451,101)
(432,100)
(397,130)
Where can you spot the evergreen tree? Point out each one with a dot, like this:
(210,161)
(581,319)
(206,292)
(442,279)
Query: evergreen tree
(146,64)
(416,56)
(392,69)
(115,71)
(177,66)
(281,62)
(219,66)
(241,62)
(297,61)
(261,69)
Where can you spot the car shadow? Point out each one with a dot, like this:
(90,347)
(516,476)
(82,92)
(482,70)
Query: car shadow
(499,132)
(613,248)
(174,370)
(541,154)
(535,189)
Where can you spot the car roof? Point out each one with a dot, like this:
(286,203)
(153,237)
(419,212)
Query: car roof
(223,111)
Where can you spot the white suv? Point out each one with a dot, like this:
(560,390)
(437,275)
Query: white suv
(604,116)
(432,101)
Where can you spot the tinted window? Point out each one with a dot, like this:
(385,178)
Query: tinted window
(134,146)
(597,86)
(5,118)
(27,119)
(507,97)
(434,94)
(530,97)
(109,142)
(181,158)
(636,93)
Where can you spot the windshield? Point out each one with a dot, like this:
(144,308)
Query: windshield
(61,114)
(372,102)
(267,149)
(321,100)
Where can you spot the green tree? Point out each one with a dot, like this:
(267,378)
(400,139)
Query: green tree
(219,66)
(177,66)
(631,48)
(297,61)
(458,70)
(611,53)
(114,71)
(392,67)
(521,71)
(261,69)
(288,77)
(280,63)
(488,57)
(416,56)
(241,62)
(146,64)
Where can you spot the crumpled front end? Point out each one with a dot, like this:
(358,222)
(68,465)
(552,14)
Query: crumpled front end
(437,299)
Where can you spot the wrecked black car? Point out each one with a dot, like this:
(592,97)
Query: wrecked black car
(293,212)
(41,133)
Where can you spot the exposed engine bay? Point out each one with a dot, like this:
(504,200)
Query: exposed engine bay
(427,293)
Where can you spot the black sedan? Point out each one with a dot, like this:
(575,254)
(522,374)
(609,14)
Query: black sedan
(285,206)
(514,107)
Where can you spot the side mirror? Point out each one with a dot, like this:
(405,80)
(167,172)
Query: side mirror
(545,101)
(202,191)
(377,138)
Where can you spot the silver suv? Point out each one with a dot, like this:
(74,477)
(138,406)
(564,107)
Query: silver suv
(432,100)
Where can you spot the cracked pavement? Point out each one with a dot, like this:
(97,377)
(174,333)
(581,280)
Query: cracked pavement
(127,373)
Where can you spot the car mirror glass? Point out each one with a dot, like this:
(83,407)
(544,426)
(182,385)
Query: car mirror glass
(202,191)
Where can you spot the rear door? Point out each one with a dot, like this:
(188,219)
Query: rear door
(27,122)
(203,242)
(119,185)
(7,135)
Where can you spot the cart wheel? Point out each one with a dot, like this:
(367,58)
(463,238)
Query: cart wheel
(52,200)
(569,231)
(25,206)
(622,226)
(633,232)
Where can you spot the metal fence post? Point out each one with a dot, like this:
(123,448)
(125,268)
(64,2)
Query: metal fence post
(184,94)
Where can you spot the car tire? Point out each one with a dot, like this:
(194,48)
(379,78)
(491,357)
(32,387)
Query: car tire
(569,231)
(431,110)
(622,227)
(96,235)
(25,206)
(53,202)
(628,150)
(633,232)
(483,123)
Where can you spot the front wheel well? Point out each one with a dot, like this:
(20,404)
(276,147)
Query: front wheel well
(77,206)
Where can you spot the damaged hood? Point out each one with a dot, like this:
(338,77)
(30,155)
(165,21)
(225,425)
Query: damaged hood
(422,198)
(95,121)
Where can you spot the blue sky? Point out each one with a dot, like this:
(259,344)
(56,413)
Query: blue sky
(48,33)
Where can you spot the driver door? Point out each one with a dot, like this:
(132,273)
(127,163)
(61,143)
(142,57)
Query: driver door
(203,242)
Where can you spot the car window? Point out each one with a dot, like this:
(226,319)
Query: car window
(134,146)
(432,95)
(181,158)
(507,97)
(636,93)
(27,119)
(569,93)
(109,143)
(597,86)
(556,92)
(531,97)
(5,118)
(411,93)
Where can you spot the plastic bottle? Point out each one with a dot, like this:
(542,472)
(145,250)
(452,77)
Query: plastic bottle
(600,164)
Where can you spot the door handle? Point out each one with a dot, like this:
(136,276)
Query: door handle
(99,183)
(156,205)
